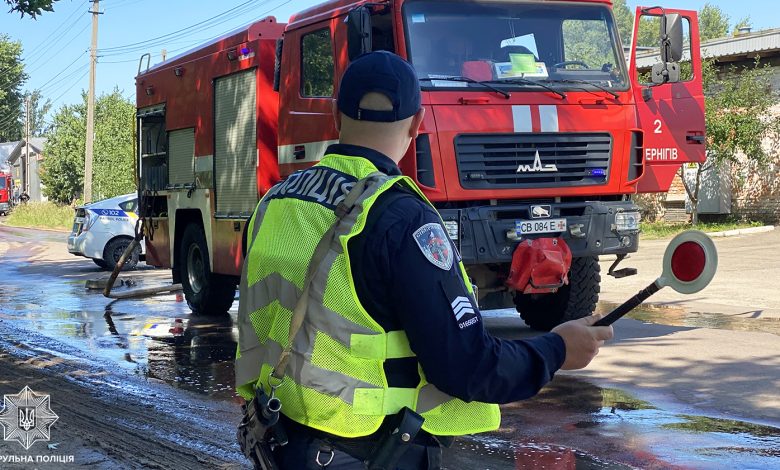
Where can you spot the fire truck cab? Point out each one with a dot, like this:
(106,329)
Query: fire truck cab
(6,192)
(536,135)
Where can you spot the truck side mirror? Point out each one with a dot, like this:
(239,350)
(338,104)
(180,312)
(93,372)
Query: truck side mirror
(358,32)
(671,38)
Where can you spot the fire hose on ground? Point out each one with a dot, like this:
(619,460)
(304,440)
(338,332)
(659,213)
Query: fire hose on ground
(136,293)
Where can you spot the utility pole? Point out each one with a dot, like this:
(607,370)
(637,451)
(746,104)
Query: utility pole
(26,163)
(89,150)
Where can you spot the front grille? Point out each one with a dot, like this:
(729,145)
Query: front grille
(487,161)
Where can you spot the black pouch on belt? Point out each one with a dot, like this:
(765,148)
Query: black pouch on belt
(391,447)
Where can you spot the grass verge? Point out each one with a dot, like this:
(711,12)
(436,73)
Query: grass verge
(41,215)
(656,230)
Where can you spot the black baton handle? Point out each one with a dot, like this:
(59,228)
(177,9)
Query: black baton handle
(628,305)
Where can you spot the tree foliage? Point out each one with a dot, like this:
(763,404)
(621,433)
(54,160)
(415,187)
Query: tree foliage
(12,77)
(624,20)
(588,41)
(739,120)
(317,64)
(39,108)
(745,22)
(713,22)
(31,7)
(63,166)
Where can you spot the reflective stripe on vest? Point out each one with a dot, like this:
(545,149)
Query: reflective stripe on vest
(335,380)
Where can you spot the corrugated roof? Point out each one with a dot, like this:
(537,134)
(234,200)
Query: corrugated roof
(6,148)
(750,44)
(36,145)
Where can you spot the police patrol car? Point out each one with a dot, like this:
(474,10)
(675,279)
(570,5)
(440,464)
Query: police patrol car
(103,230)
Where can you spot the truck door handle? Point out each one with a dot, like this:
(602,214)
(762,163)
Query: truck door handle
(299,152)
(694,138)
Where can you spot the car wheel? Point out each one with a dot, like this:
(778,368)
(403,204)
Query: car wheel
(114,250)
(101,264)
(206,293)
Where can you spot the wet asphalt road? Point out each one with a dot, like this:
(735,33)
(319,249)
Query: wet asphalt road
(131,394)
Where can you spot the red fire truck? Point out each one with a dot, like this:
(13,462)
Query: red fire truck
(536,135)
(6,192)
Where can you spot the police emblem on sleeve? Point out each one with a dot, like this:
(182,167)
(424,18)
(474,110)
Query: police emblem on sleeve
(435,245)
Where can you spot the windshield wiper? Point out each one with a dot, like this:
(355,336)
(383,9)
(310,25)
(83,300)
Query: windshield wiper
(458,78)
(525,81)
(585,82)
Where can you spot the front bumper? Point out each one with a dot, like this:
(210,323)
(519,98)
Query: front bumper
(482,235)
(5,207)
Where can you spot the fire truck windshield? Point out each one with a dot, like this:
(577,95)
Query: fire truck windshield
(564,45)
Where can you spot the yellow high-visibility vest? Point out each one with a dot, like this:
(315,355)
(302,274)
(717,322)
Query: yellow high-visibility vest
(335,380)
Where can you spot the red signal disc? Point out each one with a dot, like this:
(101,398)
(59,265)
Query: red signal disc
(688,261)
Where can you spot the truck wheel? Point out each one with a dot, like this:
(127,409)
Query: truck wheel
(575,300)
(207,293)
(114,250)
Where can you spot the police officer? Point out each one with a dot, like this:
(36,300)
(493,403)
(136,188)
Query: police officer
(350,261)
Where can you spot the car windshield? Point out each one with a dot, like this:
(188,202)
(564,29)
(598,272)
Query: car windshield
(2,183)
(562,44)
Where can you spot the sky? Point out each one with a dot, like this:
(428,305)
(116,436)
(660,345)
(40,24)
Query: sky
(56,45)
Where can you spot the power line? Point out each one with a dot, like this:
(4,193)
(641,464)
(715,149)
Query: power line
(69,88)
(48,37)
(42,87)
(147,43)
(58,86)
(61,48)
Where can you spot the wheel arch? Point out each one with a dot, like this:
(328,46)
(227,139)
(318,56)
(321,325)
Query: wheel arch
(110,240)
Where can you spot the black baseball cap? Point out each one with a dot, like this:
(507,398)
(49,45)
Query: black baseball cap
(380,72)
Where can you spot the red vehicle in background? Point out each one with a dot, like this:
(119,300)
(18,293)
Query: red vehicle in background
(6,192)
(536,135)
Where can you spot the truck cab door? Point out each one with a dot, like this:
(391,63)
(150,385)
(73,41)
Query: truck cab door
(309,68)
(670,115)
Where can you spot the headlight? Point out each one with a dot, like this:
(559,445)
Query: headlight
(452,228)
(627,221)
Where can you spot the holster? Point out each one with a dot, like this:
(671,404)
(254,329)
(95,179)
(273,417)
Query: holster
(260,430)
(391,447)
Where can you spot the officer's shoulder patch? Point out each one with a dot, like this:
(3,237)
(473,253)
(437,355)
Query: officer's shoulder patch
(435,245)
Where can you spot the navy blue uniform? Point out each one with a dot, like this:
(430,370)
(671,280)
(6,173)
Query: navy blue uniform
(402,289)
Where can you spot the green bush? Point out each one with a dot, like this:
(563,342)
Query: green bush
(41,215)
(656,230)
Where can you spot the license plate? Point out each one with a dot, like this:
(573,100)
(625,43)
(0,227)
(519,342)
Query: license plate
(526,227)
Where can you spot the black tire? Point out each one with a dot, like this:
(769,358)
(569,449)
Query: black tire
(576,300)
(206,293)
(101,264)
(114,250)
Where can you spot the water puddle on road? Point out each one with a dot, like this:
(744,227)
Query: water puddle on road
(676,316)
(572,424)
(142,337)
(572,420)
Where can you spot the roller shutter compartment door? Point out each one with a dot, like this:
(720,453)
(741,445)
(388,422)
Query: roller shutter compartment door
(181,155)
(235,153)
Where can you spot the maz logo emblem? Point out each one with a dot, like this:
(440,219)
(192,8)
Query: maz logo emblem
(540,212)
(537,166)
